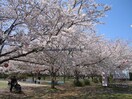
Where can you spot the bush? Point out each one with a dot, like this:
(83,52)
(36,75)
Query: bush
(22,76)
(130,74)
(110,79)
(100,79)
(95,80)
(86,82)
(2,75)
(78,83)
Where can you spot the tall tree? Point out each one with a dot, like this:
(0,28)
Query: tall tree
(27,26)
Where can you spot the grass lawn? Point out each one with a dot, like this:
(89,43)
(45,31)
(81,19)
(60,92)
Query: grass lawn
(3,84)
(67,91)
(107,96)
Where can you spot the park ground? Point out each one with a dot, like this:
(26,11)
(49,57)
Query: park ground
(67,91)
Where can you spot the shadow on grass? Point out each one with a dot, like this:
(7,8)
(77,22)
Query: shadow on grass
(69,92)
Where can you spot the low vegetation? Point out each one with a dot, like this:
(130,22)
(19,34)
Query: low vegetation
(68,91)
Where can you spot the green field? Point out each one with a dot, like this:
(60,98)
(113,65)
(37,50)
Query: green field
(108,96)
(67,91)
(3,84)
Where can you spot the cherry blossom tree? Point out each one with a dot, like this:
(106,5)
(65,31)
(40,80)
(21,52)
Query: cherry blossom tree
(28,26)
(38,27)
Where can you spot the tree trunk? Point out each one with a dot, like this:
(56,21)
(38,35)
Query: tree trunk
(76,75)
(64,78)
(32,77)
(52,83)
(77,78)
(53,80)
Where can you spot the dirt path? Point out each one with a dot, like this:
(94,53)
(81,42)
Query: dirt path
(28,90)
(31,84)
(26,84)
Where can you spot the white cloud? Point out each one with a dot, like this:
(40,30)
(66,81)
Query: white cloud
(131,25)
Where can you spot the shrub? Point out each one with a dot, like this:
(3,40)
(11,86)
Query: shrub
(95,80)
(86,82)
(110,79)
(78,83)
(130,74)
(100,79)
(2,75)
(22,76)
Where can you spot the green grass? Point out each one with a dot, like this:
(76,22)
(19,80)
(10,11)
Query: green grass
(107,96)
(68,91)
(3,84)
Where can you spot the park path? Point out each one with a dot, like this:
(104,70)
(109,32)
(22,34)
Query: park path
(25,84)
(28,90)
(31,84)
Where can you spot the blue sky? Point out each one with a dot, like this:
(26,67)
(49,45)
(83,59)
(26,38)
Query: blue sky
(118,21)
